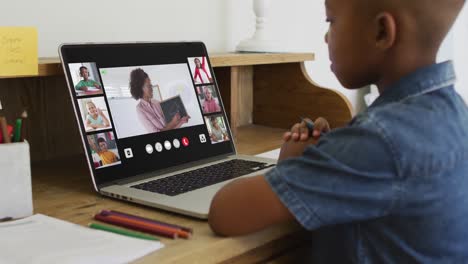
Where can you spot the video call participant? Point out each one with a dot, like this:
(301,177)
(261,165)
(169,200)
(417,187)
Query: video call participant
(201,75)
(210,105)
(95,119)
(148,109)
(86,82)
(107,156)
(217,133)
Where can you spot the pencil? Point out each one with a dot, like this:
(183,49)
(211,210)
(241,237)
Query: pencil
(109,220)
(24,115)
(150,226)
(309,124)
(4,127)
(17,132)
(121,231)
(187,229)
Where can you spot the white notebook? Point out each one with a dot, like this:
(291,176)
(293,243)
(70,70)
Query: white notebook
(43,239)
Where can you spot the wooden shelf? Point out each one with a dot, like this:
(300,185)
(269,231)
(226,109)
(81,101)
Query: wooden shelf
(52,66)
(249,59)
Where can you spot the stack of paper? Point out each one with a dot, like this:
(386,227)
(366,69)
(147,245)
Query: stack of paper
(43,239)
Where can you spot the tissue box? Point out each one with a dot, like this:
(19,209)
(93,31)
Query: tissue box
(15,180)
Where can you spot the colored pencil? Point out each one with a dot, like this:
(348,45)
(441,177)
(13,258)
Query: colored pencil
(23,116)
(187,229)
(4,127)
(134,226)
(17,132)
(150,226)
(121,231)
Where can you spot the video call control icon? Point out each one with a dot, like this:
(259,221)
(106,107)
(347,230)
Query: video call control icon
(128,153)
(149,149)
(167,145)
(185,141)
(158,147)
(202,138)
(176,143)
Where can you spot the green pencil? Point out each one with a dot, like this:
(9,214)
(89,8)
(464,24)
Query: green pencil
(122,231)
(17,131)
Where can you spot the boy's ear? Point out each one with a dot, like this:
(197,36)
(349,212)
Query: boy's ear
(385,34)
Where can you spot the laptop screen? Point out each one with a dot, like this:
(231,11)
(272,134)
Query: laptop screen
(145,107)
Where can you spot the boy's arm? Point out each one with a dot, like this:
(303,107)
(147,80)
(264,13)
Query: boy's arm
(249,204)
(106,122)
(96,84)
(245,206)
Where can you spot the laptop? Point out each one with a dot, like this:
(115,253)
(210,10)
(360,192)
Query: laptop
(153,125)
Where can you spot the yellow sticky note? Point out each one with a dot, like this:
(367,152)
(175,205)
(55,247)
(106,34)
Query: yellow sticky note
(18,51)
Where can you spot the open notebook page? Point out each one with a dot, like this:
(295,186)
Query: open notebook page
(43,239)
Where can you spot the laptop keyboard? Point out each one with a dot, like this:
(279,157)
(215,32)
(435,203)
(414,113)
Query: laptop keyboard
(199,178)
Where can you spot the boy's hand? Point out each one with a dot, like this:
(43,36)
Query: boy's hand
(320,126)
(301,132)
(291,149)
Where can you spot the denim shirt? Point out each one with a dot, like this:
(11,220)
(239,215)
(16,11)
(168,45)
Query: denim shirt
(391,186)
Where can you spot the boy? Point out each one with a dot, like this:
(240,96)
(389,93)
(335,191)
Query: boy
(107,156)
(86,82)
(392,186)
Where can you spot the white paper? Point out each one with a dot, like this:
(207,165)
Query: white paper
(43,239)
(93,89)
(274,154)
(15,179)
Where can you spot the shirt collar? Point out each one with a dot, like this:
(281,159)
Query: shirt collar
(422,81)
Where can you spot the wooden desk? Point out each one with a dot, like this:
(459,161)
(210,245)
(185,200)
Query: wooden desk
(63,189)
(264,94)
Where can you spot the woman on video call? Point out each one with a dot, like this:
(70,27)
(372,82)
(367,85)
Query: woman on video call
(148,109)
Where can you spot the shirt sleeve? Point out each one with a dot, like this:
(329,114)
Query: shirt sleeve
(350,175)
(95,82)
(79,85)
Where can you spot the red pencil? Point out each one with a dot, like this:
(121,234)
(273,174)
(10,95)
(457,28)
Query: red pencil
(112,212)
(179,232)
(134,226)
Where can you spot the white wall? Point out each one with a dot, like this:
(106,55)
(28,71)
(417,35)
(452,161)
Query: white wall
(454,48)
(61,21)
(460,52)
